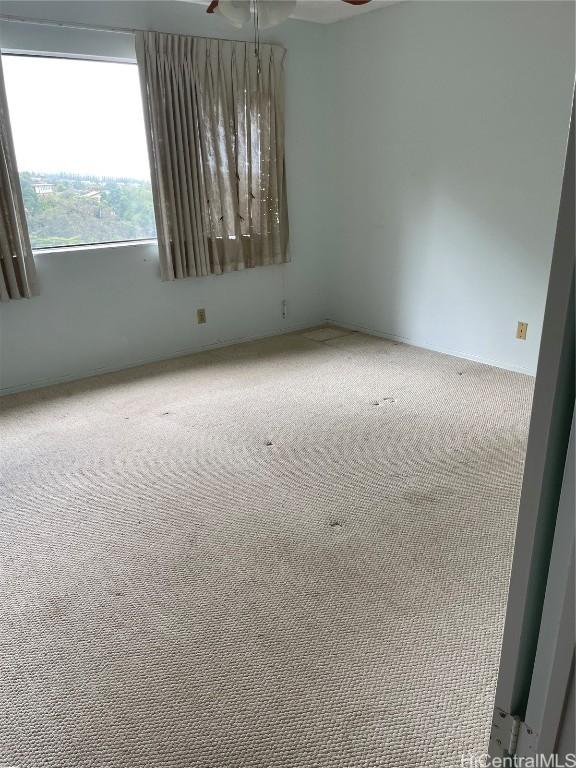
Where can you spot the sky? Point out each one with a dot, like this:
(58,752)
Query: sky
(76,116)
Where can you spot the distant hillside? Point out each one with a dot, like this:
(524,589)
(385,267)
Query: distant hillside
(73,209)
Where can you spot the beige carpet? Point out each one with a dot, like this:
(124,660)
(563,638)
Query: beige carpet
(287,554)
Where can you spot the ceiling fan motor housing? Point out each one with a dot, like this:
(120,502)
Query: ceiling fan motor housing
(237,16)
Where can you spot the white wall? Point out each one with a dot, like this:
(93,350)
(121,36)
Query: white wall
(105,309)
(448,123)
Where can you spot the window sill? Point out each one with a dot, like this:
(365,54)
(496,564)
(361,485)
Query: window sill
(94,247)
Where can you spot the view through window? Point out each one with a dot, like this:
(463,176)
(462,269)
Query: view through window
(81,150)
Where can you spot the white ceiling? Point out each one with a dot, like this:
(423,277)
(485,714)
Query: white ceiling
(328,11)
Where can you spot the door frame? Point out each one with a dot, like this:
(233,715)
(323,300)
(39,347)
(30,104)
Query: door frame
(536,555)
(554,662)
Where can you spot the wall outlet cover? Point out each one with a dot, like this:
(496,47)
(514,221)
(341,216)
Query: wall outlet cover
(521,330)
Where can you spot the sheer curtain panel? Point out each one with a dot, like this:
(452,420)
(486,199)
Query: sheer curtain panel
(214,114)
(17,271)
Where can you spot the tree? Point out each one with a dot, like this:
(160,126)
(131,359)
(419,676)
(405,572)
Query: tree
(29,195)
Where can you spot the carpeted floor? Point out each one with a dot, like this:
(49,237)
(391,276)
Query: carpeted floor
(292,553)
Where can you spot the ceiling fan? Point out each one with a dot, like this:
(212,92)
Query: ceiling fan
(266,14)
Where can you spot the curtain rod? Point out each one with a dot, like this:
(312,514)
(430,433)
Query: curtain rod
(101,28)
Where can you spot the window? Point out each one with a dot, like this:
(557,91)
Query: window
(81,150)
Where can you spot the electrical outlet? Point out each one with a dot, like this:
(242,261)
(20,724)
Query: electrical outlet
(201,316)
(522,330)
(284,309)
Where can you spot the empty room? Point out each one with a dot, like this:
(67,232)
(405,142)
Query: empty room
(286,383)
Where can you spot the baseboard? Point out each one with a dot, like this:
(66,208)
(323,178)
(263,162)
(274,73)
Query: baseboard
(183,352)
(433,347)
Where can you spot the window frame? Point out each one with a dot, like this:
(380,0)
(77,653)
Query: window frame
(100,59)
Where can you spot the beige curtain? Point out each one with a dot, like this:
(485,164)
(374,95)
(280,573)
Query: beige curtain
(17,272)
(214,115)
